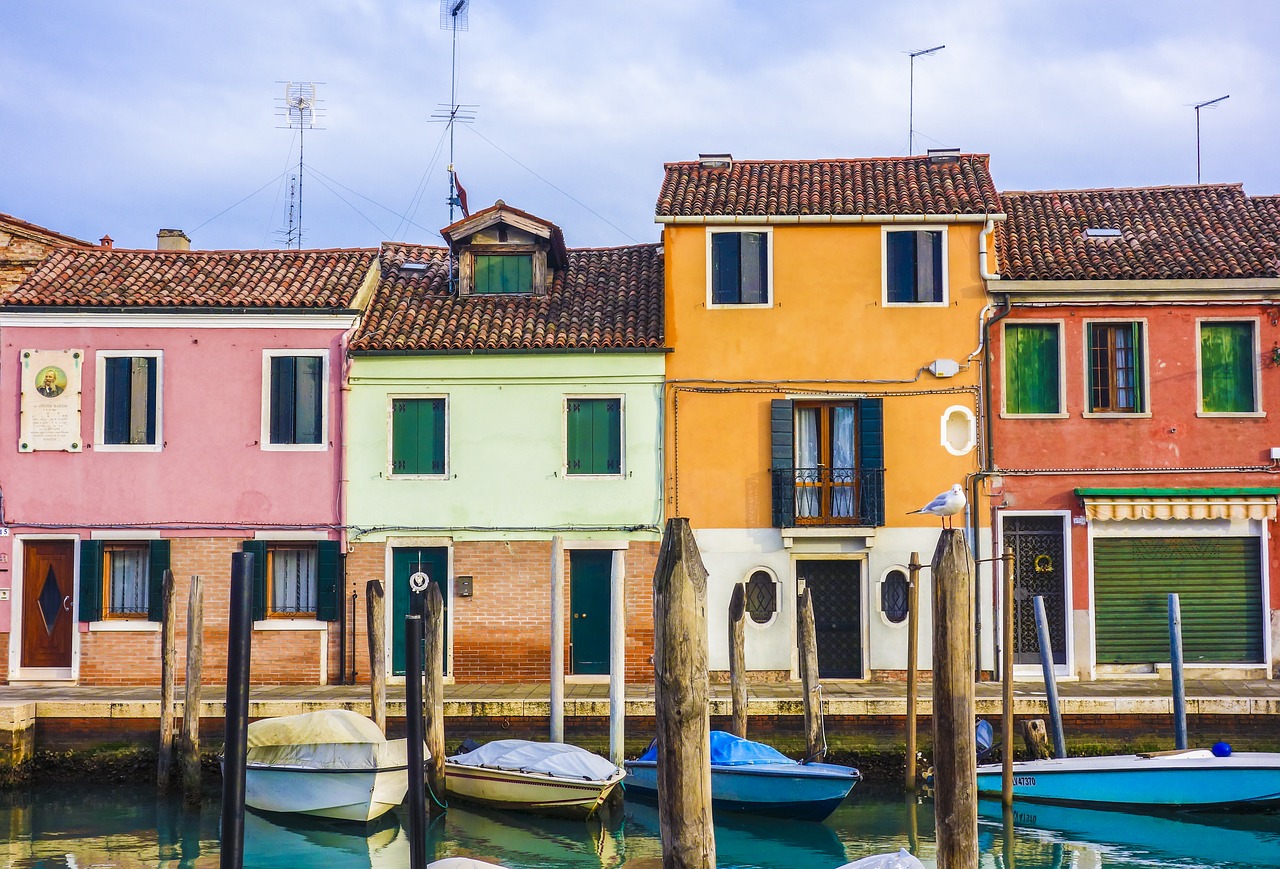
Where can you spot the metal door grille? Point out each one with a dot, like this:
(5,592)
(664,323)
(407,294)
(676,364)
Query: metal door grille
(1038,554)
(837,615)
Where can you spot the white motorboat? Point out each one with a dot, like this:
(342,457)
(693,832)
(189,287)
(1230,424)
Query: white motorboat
(545,777)
(330,764)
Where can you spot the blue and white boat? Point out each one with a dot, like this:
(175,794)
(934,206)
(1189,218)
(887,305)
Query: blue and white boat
(1189,779)
(752,777)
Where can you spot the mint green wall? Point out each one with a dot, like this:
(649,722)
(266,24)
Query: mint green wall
(505,446)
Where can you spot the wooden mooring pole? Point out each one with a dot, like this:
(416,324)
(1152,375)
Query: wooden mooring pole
(913,665)
(191,694)
(954,739)
(434,698)
(375,614)
(1006,676)
(680,701)
(814,741)
(738,660)
(168,657)
(414,727)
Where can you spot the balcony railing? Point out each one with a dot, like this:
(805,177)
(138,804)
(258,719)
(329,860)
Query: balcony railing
(828,496)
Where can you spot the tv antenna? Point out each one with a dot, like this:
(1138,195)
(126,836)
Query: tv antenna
(454,17)
(300,108)
(1198,107)
(911,96)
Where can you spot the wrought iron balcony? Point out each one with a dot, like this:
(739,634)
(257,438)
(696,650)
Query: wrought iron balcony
(828,496)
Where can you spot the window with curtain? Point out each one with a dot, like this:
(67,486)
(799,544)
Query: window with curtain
(125,568)
(1115,368)
(1227,367)
(826,460)
(740,268)
(913,266)
(1032,370)
(291,578)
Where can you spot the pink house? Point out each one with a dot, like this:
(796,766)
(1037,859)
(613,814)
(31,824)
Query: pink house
(163,410)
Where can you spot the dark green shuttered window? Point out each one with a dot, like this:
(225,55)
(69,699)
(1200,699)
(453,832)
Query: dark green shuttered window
(417,436)
(1227,367)
(913,267)
(594,435)
(326,578)
(95,600)
(297,394)
(1032,379)
(129,405)
(792,485)
(740,268)
(504,273)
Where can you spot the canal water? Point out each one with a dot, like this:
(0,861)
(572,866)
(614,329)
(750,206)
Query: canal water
(78,827)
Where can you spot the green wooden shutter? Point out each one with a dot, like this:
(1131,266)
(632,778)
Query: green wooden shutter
(90,605)
(1226,367)
(871,458)
(1031,375)
(607,436)
(329,591)
(782,463)
(259,550)
(1219,585)
(417,436)
(157,564)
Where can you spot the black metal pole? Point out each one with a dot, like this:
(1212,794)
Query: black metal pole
(416,731)
(239,642)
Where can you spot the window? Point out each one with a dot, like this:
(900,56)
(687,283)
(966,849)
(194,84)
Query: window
(593,436)
(1032,369)
(1115,368)
(893,596)
(503,273)
(1227,382)
(914,266)
(295,579)
(128,400)
(827,462)
(296,399)
(739,267)
(761,597)
(121,580)
(417,437)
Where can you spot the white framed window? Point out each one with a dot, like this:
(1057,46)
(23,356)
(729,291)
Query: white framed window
(295,400)
(914,265)
(128,401)
(418,437)
(739,267)
(1032,365)
(593,436)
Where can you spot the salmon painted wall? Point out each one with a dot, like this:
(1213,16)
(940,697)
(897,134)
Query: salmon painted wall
(211,470)
(827,323)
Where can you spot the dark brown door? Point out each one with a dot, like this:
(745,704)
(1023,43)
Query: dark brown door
(48,607)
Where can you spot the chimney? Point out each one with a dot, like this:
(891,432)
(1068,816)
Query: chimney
(715,161)
(172,239)
(106,242)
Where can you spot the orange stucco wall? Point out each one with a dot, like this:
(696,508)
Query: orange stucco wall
(827,325)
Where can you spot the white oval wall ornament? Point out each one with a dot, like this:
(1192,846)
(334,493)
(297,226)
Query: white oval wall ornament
(959,430)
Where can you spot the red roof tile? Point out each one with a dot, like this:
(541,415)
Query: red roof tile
(877,185)
(605,298)
(196,279)
(1166,233)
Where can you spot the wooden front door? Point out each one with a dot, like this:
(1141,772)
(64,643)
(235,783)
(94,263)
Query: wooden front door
(48,603)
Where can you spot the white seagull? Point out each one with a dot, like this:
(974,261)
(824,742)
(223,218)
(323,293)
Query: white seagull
(946,505)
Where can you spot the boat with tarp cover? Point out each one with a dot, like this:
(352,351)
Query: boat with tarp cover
(549,778)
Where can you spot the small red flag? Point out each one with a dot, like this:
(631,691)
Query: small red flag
(461,194)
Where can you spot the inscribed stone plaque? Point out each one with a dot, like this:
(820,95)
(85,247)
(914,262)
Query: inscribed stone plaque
(51,400)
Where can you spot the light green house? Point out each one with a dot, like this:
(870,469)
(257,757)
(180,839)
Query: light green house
(503,435)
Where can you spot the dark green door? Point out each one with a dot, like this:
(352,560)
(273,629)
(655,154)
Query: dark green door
(434,562)
(589,571)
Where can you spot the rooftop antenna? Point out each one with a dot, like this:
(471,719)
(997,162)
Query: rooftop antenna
(1198,107)
(300,109)
(911,97)
(453,17)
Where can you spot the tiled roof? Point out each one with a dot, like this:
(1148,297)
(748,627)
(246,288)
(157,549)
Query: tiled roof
(24,227)
(1166,233)
(888,185)
(605,298)
(325,279)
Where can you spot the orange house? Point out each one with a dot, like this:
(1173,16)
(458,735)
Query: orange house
(826,322)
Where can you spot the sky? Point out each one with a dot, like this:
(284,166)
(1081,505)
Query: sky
(124,117)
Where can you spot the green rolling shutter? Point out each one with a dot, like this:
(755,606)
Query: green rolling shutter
(157,564)
(1031,372)
(329,590)
(1226,367)
(783,458)
(259,550)
(90,605)
(1219,585)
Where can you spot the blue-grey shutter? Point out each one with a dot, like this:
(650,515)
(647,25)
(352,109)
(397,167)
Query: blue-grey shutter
(90,581)
(782,462)
(259,550)
(726,265)
(157,564)
(116,403)
(871,459)
(328,586)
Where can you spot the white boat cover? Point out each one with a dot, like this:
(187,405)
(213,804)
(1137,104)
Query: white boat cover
(553,759)
(332,739)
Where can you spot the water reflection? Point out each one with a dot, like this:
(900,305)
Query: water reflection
(102,827)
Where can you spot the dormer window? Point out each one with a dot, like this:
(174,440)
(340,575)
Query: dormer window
(503,273)
(505,251)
